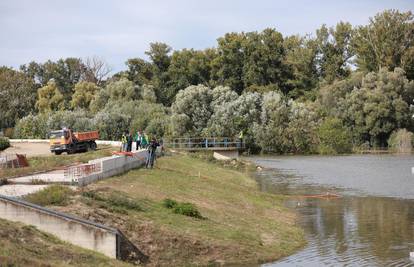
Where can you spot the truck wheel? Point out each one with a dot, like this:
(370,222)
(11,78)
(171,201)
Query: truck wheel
(93,145)
(58,152)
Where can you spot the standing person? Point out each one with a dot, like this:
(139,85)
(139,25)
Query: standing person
(124,142)
(129,142)
(152,149)
(144,141)
(137,139)
(240,144)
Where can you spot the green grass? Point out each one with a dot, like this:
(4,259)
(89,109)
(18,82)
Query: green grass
(113,202)
(183,208)
(239,225)
(242,225)
(46,163)
(22,245)
(52,195)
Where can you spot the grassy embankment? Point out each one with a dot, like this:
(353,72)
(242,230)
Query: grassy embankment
(47,163)
(240,224)
(22,245)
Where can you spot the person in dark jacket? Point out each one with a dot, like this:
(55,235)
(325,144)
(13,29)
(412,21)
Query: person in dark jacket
(129,142)
(152,148)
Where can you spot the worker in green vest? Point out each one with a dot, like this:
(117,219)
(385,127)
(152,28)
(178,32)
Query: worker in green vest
(124,141)
(144,140)
(240,143)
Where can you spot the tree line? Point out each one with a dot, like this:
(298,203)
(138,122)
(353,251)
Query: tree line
(341,87)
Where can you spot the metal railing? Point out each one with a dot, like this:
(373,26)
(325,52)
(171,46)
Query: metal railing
(76,172)
(13,161)
(199,143)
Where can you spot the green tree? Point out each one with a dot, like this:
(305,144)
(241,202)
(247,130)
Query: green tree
(386,42)
(380,106)
(148,93)
(84,93)
(334,138)
(285,126)
(301,56)
(32,126)
(234,114)
(17,96)
(49,98)
(191,111)
(65,73)
(228,66)
(139,71)
(334,51)
(159,54)
(188,67)
(264,60)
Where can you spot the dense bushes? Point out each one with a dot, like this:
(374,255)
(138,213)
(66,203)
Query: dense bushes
(334,138)
(183,208)
(4,143)
(401,141)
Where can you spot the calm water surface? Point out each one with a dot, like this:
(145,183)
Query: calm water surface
(371,224)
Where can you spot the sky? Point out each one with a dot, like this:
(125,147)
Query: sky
(117,30)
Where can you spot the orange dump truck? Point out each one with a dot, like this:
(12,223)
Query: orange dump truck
(71,142)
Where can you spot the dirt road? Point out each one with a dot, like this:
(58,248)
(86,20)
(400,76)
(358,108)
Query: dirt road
(29,149)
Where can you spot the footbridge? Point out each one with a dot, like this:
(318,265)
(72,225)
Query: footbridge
(224,148)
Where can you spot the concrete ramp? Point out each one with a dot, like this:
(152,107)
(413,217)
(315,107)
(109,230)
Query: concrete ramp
(87,234)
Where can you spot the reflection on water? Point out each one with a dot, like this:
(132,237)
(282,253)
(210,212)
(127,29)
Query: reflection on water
(365,227)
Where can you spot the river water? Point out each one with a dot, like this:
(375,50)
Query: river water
(370,224)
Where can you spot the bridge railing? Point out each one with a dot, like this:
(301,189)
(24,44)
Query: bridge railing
(199,143)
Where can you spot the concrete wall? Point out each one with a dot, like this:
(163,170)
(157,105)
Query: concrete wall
(226,154)
(77,231)
(114,165)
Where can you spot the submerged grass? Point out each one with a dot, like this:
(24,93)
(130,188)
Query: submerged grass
(46,163)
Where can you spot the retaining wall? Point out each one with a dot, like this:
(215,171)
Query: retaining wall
(87,234)
(77,231)
(114,165)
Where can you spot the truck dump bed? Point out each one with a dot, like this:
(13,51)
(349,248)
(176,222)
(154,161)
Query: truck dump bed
(87,136)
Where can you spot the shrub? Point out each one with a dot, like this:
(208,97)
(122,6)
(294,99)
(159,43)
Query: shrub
(53,195)
(400,141)
(183,208)
(122,201)
(187,209)
(169,203)
(32,126)
(334,138)
(4,143)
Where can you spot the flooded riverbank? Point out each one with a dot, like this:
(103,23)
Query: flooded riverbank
(370,224)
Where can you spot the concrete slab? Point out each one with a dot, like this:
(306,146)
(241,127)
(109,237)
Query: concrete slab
(47,177)
(18,190)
